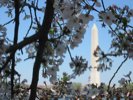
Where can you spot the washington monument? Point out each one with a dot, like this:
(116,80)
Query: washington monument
(95,75)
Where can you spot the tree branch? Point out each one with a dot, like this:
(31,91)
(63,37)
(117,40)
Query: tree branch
(43,38)
(30,22)
(8,22)
(6,63)
(32,6)
(23,43)
(116,72)
(17,5)
(103,5)
(71,55)
(18,46)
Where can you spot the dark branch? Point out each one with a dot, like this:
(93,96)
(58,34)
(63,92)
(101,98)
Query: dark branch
(23,43)
(36,19)
(30,23)
(8,22)
(32,6)
(18,46)
(6,63)
(116,72)
(43,38)
(71,55)
(16,31)
(103,5)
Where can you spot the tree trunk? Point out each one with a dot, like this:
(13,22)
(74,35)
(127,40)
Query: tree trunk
(16,30)
(36,69)
(43,37)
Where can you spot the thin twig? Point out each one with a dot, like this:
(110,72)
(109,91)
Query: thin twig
(30,23)
(70,54)
(116,72)
(8,22)
(33,6)
(115,33)
(36,19)
(130,26)
(103,5)
(115,54)
(29,58)
(96,10)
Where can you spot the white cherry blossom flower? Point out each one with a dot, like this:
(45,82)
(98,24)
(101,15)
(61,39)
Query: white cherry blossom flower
(67,13)
(122,81)
(97,3)
(56,5)
(3,2)
(18,59)
(30,50)
(73,22)
(2,29)
(53,79)
(60,49)
(84,19)
(108,17)
(130,53)
(77,38)
(53,91)
(131,12)
(3,46)
(81,31)
(52,70)
(60,61)
(73,44)
(90,92)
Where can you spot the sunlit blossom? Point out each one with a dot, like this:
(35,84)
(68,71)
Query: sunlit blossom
(108,17)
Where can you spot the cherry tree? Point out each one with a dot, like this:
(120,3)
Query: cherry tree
(55,27)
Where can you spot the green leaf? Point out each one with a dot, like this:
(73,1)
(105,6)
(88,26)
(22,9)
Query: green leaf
(124,21)
(51,31)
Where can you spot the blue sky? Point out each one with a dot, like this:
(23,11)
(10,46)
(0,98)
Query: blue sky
(25,68)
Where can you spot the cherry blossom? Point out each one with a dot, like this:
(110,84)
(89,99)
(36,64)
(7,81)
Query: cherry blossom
(30,50)
(108,17)
(53,79)
(60,49)
(98,4)
(131,12)
(122,81)
(3,2)
(52,71)
(68,24)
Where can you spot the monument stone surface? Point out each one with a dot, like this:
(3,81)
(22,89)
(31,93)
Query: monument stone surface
(94,75)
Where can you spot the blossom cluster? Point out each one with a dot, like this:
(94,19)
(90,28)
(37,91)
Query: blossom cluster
(67,30)
(20,90)
(79,65)
(119,20)
(68,27)
(63,88)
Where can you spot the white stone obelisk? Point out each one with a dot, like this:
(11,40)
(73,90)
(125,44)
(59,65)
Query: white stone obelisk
(95,75)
